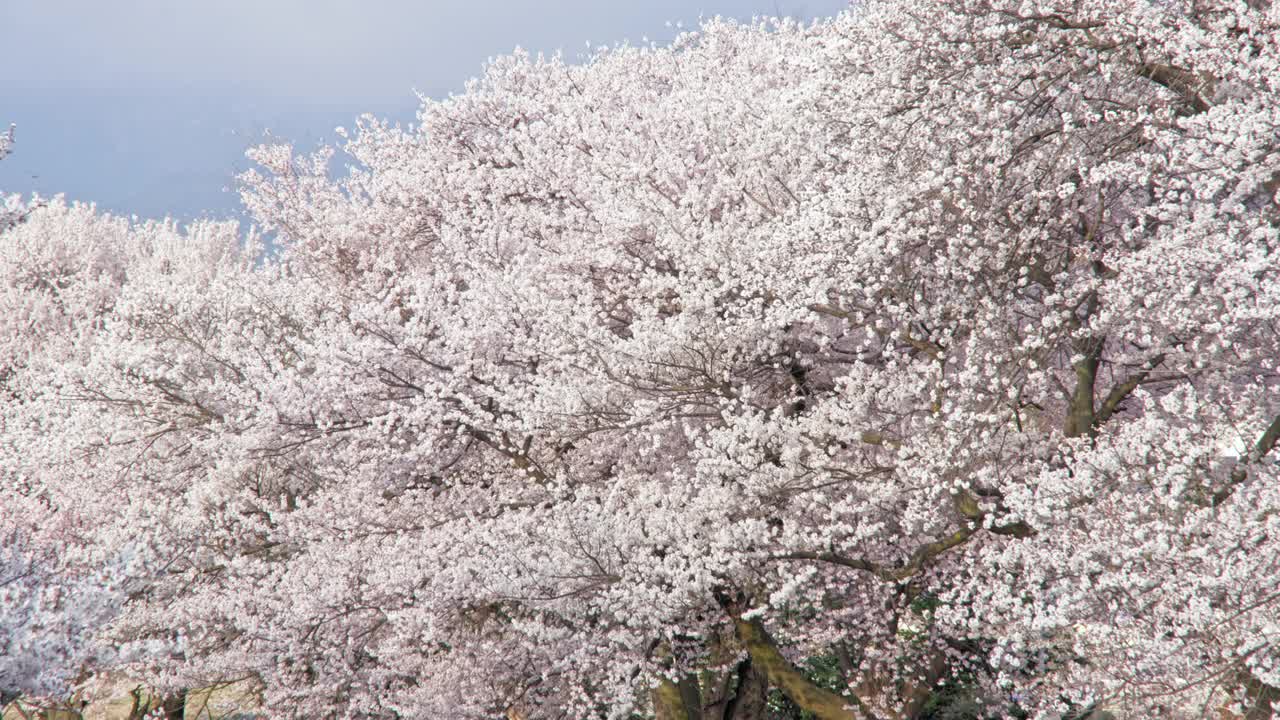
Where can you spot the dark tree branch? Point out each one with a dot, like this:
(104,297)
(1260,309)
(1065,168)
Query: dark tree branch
(1123,390)
(1260,449)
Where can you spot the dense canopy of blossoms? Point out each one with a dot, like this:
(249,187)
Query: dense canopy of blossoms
(939,342)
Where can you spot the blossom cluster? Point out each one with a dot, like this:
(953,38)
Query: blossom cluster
(940,339)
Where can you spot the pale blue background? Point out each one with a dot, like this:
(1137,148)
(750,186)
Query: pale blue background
(147,106)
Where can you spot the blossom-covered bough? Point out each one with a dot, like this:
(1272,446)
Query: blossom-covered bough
(934,346)
(13,208)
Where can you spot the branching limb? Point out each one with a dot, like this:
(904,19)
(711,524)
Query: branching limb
(1123,390)
(1260,449)
(823,704)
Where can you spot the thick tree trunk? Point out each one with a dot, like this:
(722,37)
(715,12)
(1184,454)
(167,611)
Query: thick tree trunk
(745,696)
(678,701)
(1080,414)
(1262,699)
(751,699)
(175,706)
(824,704)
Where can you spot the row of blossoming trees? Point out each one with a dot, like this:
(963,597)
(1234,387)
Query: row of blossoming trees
(939,343)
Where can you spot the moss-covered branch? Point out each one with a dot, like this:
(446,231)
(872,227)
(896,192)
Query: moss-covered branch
(767,659)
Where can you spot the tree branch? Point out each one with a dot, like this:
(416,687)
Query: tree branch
(1180,80)
(1123,390)
(823,704)
(1260,449)
(920,558)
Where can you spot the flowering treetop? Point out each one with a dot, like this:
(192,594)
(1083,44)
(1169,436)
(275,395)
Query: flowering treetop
(936,340)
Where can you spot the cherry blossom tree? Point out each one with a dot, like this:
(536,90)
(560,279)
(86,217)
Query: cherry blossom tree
(48,294)
(935,345)
(6,142)
(63,576)
(12,209)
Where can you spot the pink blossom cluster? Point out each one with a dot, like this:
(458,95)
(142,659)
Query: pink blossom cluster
(941,339)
